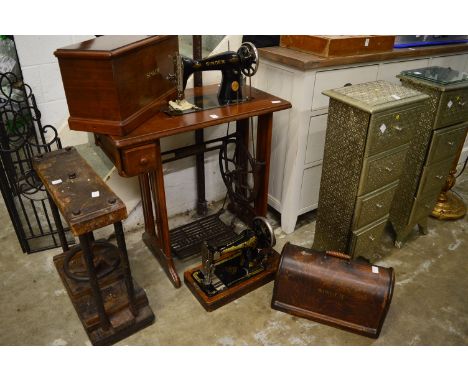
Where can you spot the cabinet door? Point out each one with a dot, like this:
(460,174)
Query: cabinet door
(456,62)
(337,78)
(388,72)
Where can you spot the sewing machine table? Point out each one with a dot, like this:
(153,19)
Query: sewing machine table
(139,154)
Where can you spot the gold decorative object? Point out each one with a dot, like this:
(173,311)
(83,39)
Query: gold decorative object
(449,206)
(369,128)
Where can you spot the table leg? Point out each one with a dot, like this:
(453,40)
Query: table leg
(161,247)
(93,280)
(264,135)
(146,203)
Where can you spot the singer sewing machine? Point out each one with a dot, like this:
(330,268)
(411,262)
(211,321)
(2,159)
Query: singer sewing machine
(234,67)
(234,269)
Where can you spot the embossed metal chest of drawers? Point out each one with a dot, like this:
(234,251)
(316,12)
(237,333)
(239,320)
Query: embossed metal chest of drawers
(433,147)
(369,129)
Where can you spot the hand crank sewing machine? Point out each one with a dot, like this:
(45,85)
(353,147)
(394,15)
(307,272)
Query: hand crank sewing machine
(126,107)
(230,270)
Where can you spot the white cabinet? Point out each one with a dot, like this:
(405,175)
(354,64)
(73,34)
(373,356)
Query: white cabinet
(388,71)
(337,78)
(456,62)
(299,133)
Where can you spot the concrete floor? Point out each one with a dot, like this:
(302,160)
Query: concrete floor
(429,307)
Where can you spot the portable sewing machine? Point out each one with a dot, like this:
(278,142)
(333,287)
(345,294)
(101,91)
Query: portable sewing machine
(231,268)
(234,67)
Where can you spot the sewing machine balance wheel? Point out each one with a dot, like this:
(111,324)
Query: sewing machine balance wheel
(264,232)
(249,55)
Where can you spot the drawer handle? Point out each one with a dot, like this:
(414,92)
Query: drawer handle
(439,176)
(144,161)
(398,128)
(450,143)
(371,238)
(388,169)
(379,205)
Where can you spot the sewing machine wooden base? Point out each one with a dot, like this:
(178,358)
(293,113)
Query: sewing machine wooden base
(232,293)
(115,298)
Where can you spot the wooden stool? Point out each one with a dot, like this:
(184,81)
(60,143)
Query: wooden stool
(95,273)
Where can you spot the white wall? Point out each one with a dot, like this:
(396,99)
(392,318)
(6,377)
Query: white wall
(41,72)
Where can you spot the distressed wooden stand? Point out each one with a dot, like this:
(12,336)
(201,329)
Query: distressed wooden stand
(96,274)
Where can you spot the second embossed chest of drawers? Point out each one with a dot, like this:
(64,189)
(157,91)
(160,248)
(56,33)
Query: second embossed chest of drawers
(369,129)
(433,148)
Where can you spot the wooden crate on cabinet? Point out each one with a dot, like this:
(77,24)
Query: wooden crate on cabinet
(369,129)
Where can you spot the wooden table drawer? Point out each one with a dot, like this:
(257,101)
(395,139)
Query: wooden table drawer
(374,205)
(445,143)
(364,240)
(381,169)
(392,130)
(331,79)
(453,108)
(139,160)
(433,178)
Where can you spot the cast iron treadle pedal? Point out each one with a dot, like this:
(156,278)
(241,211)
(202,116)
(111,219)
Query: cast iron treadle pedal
(186,239)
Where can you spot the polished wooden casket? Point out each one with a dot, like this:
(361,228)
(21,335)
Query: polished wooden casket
(115,83)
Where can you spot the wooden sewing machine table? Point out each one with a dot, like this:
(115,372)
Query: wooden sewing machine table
(139,154)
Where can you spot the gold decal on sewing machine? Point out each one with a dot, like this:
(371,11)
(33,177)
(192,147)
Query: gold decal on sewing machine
(235,86)
(152,73)
(215,62)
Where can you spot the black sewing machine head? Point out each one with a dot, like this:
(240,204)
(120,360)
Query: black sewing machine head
(238,260)
(233,65)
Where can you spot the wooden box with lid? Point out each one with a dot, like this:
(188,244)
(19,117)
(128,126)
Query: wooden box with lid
(369,129)
(115,83)
(338,46)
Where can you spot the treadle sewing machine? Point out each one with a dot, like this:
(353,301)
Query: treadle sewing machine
(138,117)
(233,66)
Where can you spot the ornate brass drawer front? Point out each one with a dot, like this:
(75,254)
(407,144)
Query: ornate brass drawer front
(138,159)
(445,143)
(364,240)
(422,207)
(381,170)
(453,108)
(433,178)
(392,130)
(373,206)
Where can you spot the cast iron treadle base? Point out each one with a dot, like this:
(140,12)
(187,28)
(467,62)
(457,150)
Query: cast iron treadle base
(186,239)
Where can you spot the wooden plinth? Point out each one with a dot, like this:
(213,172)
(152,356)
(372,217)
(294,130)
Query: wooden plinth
(236,291)
(114,294)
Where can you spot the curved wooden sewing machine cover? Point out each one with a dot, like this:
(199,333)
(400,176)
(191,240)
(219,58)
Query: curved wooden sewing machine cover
(332,289)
